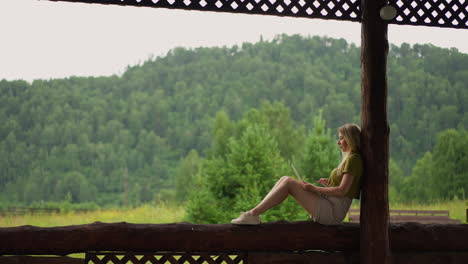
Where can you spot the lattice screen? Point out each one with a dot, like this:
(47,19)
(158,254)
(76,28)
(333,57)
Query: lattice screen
(439,13)
(327,9)
(164,258)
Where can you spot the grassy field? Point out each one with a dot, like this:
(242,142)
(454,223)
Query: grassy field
(165,213)
(154,214)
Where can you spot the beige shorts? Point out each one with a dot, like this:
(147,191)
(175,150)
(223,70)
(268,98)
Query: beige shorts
(332,209)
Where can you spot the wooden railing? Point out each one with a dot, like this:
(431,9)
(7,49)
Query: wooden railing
(418,216)
(32,210)
(27,210)
(276,242)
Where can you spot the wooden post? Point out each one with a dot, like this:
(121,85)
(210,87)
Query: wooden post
(374,235)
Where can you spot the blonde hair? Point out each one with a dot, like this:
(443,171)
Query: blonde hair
(352,134)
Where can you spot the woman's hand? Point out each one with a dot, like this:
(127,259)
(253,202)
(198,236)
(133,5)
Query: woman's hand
(308,187)
(323,181)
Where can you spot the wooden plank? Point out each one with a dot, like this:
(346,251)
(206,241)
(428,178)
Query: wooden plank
(421,217)
(427,219)
(403,237)
(39,260)
(303,257)
(415,212)
(184,237)
(450,257)
(416,220)
(353,257)
(280,258)
(276,236)
(374,244)
(27,210)
(420,212)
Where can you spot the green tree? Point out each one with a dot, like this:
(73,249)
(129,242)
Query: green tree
(250,169)
(223,130)
(188,169)
(151,117)
(450,164)
(396,178)
(76,186)
(321,152)
(418,187)
(441,174)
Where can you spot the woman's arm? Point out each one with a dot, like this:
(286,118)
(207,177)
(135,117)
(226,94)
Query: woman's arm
(341,190)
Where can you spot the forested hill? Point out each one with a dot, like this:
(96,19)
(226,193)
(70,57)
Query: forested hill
(120,138)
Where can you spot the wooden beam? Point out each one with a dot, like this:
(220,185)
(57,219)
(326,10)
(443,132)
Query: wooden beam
(451,257)
(311,257)
(39,260)
(306,9)
(353,257)
(375,135)
(287,257)
(277,236)
(185,237)
(450,14)
(303,257)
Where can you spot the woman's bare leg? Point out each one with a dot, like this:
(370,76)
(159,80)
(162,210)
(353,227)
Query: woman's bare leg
(273,190)
(285,186)
(276,195)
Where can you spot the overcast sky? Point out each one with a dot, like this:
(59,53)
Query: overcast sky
(43,40)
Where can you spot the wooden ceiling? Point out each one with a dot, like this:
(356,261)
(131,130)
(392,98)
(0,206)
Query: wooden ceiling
(433,13)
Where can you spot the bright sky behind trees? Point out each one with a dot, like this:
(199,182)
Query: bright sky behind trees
(44,39)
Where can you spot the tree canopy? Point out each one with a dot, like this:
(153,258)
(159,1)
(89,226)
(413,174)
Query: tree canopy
(123,140)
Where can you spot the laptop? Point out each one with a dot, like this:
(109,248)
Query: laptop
(298,175)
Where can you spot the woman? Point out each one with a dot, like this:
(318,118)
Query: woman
(326,205)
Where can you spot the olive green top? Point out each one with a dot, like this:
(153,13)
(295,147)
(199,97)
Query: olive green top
(352,165)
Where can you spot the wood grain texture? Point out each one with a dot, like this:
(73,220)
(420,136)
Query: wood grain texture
(39,260)
(275,236)
(185,237)
(375,135)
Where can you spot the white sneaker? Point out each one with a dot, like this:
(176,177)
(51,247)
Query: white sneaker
(247,218)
